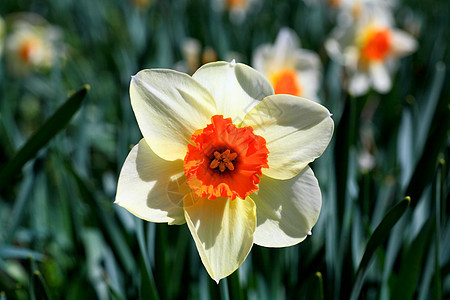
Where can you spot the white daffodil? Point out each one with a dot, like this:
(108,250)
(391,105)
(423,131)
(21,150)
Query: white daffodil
(32,44)
(352,10)
(225,155)
(194,56)
(290,69)
(369,50)
(237,9)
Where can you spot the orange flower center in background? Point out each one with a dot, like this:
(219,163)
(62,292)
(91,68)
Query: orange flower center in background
(27,48)
(376,44)
(236,4)
(225,161)
(286,81)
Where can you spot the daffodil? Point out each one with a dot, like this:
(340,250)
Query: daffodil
(193,56)
(237,9)
(32,44)
(225,155)
(289,68)
(351,10)
(369,50)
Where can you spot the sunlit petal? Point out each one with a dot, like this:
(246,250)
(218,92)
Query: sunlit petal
(222,230)
(152,188)
(286,210)
(169,106)
(296,130)
(236,88)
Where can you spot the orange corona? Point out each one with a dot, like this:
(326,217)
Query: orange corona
(225,161)
(376,45)
(27,48)
(286,81)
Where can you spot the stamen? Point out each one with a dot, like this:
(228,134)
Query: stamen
(223,160)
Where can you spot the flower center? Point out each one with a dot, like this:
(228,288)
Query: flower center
(225,161)
(27,48)
(236,4)
(286,81)
(376,44)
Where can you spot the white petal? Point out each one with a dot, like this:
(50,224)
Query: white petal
(296,131)
(402,43)
(262,57)
(236,88)
(152,188)
(169,106)
(287,41)
(380,78)
(222,230)
(286,210)
(359,84)
(309,69)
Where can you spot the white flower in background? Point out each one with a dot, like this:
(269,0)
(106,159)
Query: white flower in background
(290,69)
(350,10)
(238,9)
(31,44)
(369,50)
(193,56)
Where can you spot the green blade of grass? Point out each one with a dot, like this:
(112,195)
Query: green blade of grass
(40,288)
(378,237)
(42,136)
(113,234)
(13,252)
(148,286)
(406,282)
(318,284)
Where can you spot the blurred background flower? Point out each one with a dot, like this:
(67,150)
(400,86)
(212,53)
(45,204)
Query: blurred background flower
(369,49)
(32,44)
(289,68)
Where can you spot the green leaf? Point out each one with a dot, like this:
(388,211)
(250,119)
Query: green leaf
(13,252)
(319,289)
(378,237)
(40,289)
(42,136)
(406,282)
(113,234)
(435,143)
(236,291)
(148,287)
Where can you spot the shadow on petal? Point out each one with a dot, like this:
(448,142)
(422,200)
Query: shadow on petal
(169,182)
(286,209)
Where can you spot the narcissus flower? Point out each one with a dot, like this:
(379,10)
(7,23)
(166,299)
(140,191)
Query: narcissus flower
(351,10)
(369,50)
(31,45)
(225,155)
(290,69)
(238,9)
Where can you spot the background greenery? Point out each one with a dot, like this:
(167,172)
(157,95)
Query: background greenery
(61,236)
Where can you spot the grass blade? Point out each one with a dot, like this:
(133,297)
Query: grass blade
(108,226)
(42,136)
(406,282)
(378,237)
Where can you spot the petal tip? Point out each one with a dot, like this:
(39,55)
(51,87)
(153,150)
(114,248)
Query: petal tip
(309,232)
(233,63)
